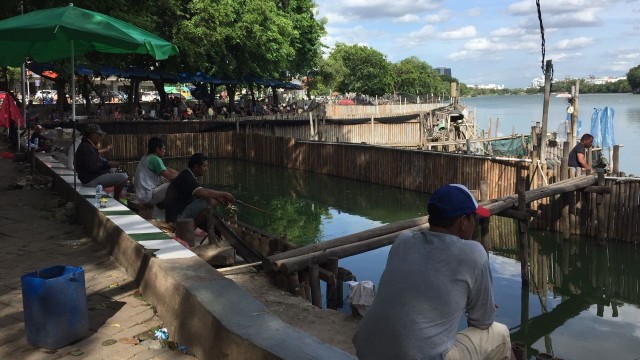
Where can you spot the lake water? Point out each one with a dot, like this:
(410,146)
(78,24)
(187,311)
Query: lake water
(520,112)
(583,301)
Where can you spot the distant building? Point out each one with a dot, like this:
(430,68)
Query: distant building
(538,82)
(444,71)
(487,86)
(589,80)
(602,80)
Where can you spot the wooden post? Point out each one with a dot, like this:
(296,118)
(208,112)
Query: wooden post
(575,92)
(312,131)
(485,237)
(497,126)
(615,166)
(602,229)
(489,129)
(373,140)
(524,256)
(314,282)
(185,231)
(548,69)
(484,190)
(332,289)
(294,285)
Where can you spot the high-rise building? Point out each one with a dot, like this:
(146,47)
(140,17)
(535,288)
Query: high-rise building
(444,71)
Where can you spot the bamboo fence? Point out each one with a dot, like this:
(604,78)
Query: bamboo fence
(416,170)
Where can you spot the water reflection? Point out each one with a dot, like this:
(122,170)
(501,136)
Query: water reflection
(582,301)
(309,207)
(575,285)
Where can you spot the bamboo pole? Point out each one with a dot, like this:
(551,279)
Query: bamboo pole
(524,256)
(601,218)
(297,263)
(548,69)
(392,228)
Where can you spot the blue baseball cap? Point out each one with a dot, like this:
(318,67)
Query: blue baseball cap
(456,200)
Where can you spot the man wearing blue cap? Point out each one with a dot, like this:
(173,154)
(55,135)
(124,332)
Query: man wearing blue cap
(431,280)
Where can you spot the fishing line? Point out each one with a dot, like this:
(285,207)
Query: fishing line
(253,207)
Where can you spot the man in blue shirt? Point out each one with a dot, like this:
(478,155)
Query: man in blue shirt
(432,279)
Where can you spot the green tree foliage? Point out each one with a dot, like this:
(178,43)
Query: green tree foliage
(306,44)
(633,78)
(359,69)
(414,76)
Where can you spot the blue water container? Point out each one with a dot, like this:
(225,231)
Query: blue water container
(55,306)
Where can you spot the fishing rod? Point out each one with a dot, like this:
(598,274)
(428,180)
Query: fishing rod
(253,207)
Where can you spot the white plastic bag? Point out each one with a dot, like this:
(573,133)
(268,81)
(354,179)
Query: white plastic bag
(361,294)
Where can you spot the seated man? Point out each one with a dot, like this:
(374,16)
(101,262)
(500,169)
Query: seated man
(71,153)
(152,176)
(186,198)
(38,141)
(94,170)
(431,280)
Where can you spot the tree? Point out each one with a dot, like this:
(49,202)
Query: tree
(237,39)
(359,69)
(414,76)
(633,78)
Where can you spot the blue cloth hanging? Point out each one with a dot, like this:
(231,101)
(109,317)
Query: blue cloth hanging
(596,127)
(606,127)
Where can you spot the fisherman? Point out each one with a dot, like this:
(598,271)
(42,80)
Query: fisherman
(92,168)
(152,176)
(432,278)
(39,142)
(186,198)
(577,157)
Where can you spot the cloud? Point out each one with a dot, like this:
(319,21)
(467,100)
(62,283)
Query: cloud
(575,43)
(561,57)
(408,18)
(461,33)
(355,35)
(508,32)
(337,18)
(483,47)
(474,12)
(632,56)
(419,37)
(527,7)
(377,9)
(440,16)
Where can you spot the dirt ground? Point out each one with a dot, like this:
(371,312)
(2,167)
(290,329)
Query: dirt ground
(329,326)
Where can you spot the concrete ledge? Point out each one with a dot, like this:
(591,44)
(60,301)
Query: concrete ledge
(202,309)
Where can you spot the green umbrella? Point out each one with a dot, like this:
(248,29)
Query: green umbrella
(64,32)
(60,33)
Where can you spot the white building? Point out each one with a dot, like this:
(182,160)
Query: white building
(487,86)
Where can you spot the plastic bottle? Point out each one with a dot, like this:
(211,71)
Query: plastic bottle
(98,195)
(35,143)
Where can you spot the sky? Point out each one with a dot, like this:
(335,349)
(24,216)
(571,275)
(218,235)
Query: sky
(493,41)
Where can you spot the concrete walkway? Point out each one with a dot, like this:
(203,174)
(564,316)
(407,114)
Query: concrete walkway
(34,233)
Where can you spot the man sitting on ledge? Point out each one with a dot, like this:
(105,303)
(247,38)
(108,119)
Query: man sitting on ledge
(152,176)
(186,198)
(93,169)
(431,280)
